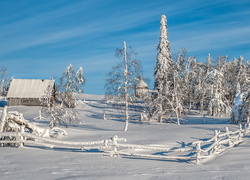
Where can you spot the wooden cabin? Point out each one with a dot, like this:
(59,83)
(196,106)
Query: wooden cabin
(30,92)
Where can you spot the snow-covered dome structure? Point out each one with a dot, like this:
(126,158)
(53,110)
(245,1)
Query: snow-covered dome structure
(141,89)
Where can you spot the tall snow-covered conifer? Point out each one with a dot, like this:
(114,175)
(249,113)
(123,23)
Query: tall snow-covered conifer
(162,72)
(163,98)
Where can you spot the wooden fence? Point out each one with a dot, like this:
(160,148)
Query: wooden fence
(196,152)
(207,149)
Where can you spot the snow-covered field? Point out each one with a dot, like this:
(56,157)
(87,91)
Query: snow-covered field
(43,163)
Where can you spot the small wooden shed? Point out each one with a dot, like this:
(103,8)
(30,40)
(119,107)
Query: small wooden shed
(30,92)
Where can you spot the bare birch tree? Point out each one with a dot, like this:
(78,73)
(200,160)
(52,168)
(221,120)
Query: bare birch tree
(122,79)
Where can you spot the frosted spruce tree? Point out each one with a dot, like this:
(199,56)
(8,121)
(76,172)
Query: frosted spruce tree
(122,79)
(165,103)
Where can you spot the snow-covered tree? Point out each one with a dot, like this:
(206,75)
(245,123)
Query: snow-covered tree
(219,104)
(59,114)
(199,89)
(165,103)
(163,70)
(209,62)
(4,81)
(70,82)
(122,79)
(240,110)
(191,82)
(244,113)
(80,78)
(181,62)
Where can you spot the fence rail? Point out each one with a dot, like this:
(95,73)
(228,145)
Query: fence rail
(198,151)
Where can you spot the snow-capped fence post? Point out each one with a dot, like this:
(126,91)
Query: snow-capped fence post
(144,117)
(216,134)
(230,144)
(104,115)
(240,133)
(114,140)
(247,127)
(247,123)
(21,137)
(198,152)
(40,115)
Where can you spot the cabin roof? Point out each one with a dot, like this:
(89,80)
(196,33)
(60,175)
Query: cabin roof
(29,88)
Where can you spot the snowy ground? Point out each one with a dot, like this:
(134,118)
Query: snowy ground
(41,163)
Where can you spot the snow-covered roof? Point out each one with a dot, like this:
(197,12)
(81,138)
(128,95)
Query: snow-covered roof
(29,88)
(141,84)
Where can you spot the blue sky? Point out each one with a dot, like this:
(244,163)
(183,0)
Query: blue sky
(39,39)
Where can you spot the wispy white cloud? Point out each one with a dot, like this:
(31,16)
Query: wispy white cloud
(86,33)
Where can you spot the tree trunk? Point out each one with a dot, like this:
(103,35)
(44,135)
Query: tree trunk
(3,119)
(126,113)
(126,88)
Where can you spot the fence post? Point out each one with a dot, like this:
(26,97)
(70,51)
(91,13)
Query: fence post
(240,133)
(104,115)
(247,126)
(40,114)
(216,133)
(115,146)
(21,136)
(229,137)
(198,152)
